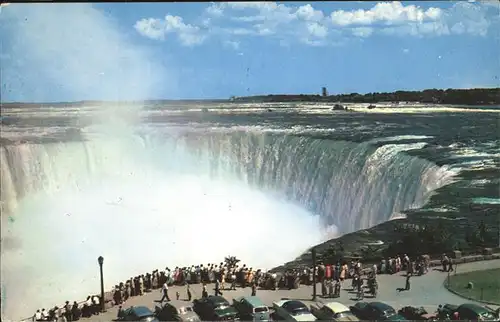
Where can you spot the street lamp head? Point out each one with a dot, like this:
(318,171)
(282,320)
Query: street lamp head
(100,260)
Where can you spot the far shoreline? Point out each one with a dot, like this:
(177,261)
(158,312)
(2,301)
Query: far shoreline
(449,97)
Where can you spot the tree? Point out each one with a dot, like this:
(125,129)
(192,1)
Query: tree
(430,238)
(480,237)
(370,253)
(334,253)
(231,261)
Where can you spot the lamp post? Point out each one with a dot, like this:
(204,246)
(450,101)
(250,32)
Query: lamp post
(313,253)
(101,261)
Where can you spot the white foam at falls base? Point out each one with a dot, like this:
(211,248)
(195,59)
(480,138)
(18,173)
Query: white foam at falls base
(138,226)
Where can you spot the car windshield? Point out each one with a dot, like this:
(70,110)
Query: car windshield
(295,307)
(389,312)
(299,311)
(218,302)
(184,310)
(221,305)
(260,309)
(487,316)
(342,314)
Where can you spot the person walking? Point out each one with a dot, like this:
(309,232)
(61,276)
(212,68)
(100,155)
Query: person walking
(407,286)
(217,288)
(204,292)
(188,291)
(164,290)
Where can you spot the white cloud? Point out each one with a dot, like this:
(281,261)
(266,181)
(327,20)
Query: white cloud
(232,44)
(151,28)
(406,50)
(308,13)
(249,18)
(241,31)
(362,31)
(314,43)
(490,3)
(317,30)
(290,24)
(264,30)
(158,29)
(385,12)
(214,10)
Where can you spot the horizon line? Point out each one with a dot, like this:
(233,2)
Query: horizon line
(229,99)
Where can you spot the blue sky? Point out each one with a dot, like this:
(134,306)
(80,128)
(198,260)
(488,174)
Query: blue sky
(215,50)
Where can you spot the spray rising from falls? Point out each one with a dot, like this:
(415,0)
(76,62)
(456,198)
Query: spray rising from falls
(68,52)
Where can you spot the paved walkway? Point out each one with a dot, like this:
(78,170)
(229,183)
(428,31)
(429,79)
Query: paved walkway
(427,291)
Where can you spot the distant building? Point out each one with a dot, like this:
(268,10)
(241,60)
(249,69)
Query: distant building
(324,92)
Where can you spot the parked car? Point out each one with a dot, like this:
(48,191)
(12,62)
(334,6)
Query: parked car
(469,311)
(215,308)
(251,308)
(292,310)
(375,311)
(138,313)
(176,311)
(332,311)
(415,313)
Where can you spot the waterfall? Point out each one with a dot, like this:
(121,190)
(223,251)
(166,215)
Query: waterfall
(350,185)
(148,200)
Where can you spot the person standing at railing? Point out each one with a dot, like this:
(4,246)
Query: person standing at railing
(128,291)
(67,312)
(37,316)
(141,285)
(86,310)
(96,307)
(132,287)
(45,315)
(75,311)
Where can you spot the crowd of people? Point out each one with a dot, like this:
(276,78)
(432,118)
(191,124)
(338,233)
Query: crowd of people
(228,276)
(70,312)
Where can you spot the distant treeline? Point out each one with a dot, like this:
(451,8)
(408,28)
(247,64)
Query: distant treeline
(477,96)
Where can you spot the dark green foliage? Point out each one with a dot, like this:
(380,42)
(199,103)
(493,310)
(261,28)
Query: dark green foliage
(437,238)
(477,96)
(333,254)
(481,236)
(231,261)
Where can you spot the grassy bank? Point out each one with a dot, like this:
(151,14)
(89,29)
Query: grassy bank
(486,285)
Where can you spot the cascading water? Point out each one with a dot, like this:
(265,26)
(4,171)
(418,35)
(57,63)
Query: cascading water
(148,200)
(352,186)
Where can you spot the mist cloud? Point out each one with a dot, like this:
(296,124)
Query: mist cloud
(79,51)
